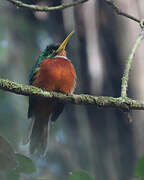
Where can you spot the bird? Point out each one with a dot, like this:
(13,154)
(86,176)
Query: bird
(52,71)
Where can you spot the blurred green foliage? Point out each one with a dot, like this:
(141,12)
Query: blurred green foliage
(25,164)
(99,141)
(13,164)
(140,168)
(7,156)
(80,175)
(12,175)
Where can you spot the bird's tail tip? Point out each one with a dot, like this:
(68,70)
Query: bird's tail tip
(38,136)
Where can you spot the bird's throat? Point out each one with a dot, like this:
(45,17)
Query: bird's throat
(62,53)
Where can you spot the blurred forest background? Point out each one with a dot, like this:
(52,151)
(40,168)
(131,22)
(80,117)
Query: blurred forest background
(100,141)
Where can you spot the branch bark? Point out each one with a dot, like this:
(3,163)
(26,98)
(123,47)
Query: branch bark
(120,12)
(46,8)
(129,64)
(125,103)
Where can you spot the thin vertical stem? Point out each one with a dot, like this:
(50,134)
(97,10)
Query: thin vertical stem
(128,65)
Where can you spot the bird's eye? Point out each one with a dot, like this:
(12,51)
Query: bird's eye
(52,51)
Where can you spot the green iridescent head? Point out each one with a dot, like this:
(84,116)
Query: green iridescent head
(52,50)
(49,52)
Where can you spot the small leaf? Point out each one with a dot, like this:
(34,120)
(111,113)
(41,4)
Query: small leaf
(13,175)
(41,179)
(26,165)
(80,175)
(7,156)
(140,167)
(38,179)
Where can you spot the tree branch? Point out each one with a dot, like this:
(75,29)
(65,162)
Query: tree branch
(125,77)
(101,101)
(120,12)
(45,8)
(123,102)
(129,63)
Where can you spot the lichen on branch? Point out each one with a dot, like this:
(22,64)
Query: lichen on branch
(128,65)
(81,99)
(120,12)
(122,102)
(33,7)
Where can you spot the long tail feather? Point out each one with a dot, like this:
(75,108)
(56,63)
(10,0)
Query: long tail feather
(39,136)
(27,136)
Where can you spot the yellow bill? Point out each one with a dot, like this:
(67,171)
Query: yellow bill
(63,45)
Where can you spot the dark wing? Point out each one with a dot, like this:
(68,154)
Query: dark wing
(33,71)
(31,101)
(32,78)
(47,53)
(58,111)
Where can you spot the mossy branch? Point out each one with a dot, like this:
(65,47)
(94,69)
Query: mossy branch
(129,64)
(120,12)
(101,101)
(46,8)
(122,102)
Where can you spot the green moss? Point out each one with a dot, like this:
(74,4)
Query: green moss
(101,101)
(142,24)
(124,79)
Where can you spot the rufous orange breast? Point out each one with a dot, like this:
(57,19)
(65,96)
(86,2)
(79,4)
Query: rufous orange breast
(56,74)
